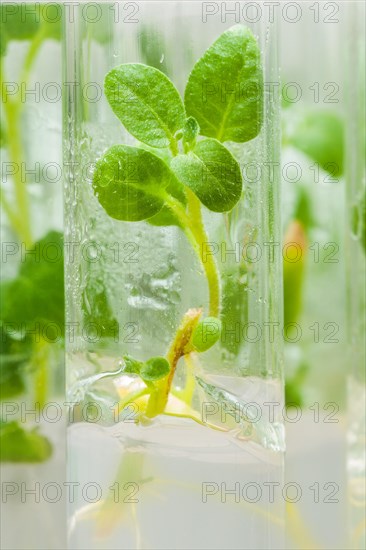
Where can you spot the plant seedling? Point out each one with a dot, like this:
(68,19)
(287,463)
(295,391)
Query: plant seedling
(191,167)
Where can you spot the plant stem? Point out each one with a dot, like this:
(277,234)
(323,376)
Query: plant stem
(207,260)
(187,393)
(41,363)
(192,225)
(159,398)
(12,112)
(20,219)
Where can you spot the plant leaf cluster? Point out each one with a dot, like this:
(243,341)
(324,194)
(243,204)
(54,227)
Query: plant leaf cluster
(133,183)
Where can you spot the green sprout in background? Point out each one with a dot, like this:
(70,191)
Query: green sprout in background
(15,26)
(320,136)
(35,297)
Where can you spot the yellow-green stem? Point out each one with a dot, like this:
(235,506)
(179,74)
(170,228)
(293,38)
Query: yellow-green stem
(19,219)
(207,260)
(187,393)
(15,150)
(159,398)
(192,225)
(41,359)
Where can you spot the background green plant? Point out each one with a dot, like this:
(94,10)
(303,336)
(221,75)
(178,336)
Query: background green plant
(318,134)
(35,296)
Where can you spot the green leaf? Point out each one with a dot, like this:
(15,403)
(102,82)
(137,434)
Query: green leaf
(166,216)
(191,130)
(212,173)
(320,135)
(20,445)
(132,366)
(154,369)
(37,293)
(224,92)
(206,334)
(130,183)
(146,102)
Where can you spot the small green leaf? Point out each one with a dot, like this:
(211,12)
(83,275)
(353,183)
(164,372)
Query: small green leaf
(155,369)
(146,102)
(320,135)
(206,334)
(225,88)
(132,366)
(130,183)
(20,445)
(191,130)
(212,173)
